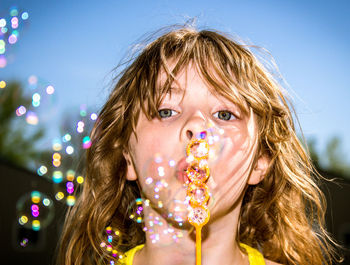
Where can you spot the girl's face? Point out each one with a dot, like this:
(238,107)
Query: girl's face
(182,115)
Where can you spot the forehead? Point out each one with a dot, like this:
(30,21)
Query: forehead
(178,82)
(189,75)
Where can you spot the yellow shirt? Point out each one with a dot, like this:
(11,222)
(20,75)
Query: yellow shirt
(255,257)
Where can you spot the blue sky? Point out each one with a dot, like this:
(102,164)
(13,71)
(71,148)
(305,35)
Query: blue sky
(75,44)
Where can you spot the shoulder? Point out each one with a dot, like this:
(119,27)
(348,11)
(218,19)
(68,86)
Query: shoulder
(269,262)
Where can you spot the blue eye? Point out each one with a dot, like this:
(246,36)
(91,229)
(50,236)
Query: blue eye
(224,115)
(166,113)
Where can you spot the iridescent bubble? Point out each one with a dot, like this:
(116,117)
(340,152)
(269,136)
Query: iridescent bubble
(83,110)
(80,179)
(12,39)
(2,22)
(2,44)
(32,118)
(70,200)
(93,116)
(65,185)
(178,211)
(57,176)
(86,142)
(50,90)
(4,30)
(24,242)
(56,156)
(56,144)
(135,211)
(34,210)
(66,138)
(25,15)
(80,126)
(32,80)
(21,110)
(13,11)
(42,170)
(59,195)
(2,84)
(69,149)
(36,103)
(36,225)
(14,20)
(36,97)
(46,202)
(3,61)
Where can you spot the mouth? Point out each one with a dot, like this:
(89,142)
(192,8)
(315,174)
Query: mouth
(181,168)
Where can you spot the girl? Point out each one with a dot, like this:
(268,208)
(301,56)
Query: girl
(265,206)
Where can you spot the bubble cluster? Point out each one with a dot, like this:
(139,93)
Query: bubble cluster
(158,229)
(136,210)
(84,125)
(178,211)
(68,150)
(65,185)
(34,210)
(24,242)
(159,174)
(43,102)
(215,138)
(10,28)
(112,239)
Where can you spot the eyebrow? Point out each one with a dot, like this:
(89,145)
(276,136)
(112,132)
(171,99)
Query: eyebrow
(176,90)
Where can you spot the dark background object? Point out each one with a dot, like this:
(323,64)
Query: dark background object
(41,245)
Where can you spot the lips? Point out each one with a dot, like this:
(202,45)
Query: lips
(181,168)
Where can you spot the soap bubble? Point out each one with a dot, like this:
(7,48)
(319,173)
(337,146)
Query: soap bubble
(214,137)
(68,149)
(34,210)
(24,242)
(43,107)
(10,28)
(136,210)
(111,240)
(66,184)
(159,231)
(158,175)
(178,211)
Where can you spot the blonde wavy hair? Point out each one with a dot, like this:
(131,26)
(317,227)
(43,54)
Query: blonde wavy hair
(283,215)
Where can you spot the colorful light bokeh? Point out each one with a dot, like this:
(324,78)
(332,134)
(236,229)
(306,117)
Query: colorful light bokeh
(113,238)
(9,31)
(34,210)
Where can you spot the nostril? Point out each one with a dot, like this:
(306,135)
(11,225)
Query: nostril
(189,135)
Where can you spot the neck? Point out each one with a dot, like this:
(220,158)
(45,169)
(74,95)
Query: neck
(166,244)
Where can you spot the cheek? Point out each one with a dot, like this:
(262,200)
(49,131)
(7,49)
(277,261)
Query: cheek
(150,142)
(231,171)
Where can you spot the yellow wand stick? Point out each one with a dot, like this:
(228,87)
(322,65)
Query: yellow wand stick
(198,173)
(198,245)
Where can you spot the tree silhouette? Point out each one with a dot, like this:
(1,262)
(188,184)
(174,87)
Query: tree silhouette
(333,160)
(17,138)
(336,158)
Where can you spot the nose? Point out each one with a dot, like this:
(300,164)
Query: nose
(193,126)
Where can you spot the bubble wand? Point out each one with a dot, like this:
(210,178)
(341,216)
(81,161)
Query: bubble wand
(198,173)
